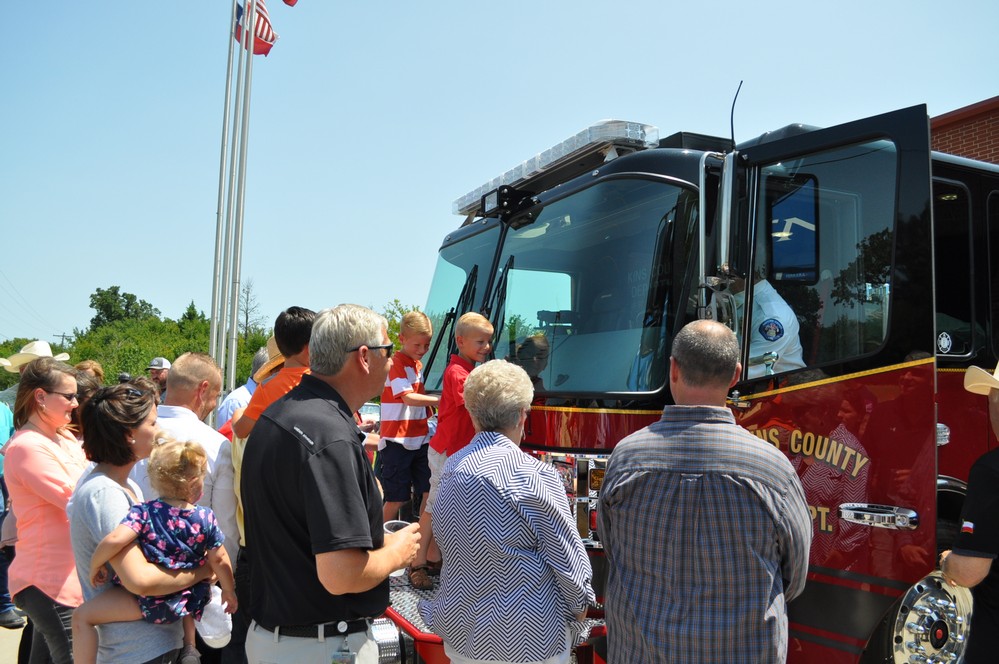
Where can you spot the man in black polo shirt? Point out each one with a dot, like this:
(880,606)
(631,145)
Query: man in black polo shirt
(977,545)
(313,512)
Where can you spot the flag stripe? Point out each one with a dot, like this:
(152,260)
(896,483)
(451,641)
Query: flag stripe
(264,35)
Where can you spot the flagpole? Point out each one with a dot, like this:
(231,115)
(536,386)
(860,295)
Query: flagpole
(222,239)
(249,27)
(245,56)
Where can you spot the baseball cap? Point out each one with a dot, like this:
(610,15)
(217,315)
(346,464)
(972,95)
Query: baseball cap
(159,363)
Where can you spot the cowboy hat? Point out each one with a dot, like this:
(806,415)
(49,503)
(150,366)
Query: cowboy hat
(274,360)
(32,351)
(980,381)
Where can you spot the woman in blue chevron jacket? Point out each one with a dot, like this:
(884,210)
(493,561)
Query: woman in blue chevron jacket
(516,579)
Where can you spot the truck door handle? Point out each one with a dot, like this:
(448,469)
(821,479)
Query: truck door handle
(879,516)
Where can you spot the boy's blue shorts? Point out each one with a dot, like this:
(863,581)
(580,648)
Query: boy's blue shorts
(404,474)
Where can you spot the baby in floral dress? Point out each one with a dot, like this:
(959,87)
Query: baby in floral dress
(173,532)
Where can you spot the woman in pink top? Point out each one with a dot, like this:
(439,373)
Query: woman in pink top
(42,464)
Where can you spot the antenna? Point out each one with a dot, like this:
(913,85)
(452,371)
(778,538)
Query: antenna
(732,115)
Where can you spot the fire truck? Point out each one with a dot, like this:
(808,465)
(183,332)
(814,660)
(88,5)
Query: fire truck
(598,250)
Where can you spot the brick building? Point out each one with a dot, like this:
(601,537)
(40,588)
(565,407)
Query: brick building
(972,131)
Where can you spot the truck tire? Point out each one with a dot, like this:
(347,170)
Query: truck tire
(930,623)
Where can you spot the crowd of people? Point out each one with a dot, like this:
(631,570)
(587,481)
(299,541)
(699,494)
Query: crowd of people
(138,533)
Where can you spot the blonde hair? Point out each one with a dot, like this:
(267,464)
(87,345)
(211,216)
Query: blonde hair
(172,466)
(415,322)
(472,321)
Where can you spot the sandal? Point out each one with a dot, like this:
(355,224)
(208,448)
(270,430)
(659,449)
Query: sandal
(434,567)
(419,578)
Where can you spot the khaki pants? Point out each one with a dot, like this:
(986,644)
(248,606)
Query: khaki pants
(263,647)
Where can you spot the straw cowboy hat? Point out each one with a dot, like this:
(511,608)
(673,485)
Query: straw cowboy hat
(980,381)
(32,351)
(274,360)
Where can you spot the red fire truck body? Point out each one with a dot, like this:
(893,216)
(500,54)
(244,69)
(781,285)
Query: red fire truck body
(602,248)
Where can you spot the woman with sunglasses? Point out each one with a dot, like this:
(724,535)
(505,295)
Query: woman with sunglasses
(43,462)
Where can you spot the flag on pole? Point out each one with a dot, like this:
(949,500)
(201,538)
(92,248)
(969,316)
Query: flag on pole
(264,35)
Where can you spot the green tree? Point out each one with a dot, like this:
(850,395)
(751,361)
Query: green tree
(112,305)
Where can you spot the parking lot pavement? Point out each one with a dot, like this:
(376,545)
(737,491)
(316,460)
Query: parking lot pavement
(9,640)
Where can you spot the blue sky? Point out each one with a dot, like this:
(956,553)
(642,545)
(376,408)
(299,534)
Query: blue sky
(369,118)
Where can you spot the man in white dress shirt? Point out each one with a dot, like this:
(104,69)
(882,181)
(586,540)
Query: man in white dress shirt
(193,387)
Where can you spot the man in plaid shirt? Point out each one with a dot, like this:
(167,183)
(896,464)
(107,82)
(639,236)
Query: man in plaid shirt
(705,526)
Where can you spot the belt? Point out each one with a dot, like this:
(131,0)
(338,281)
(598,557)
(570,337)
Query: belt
(330,629)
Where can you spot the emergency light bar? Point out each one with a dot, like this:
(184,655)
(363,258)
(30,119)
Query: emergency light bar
(604,138)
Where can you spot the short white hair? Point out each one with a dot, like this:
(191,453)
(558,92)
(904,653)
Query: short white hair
(495,393)
(337,330)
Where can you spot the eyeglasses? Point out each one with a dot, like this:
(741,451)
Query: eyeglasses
(68,396)
(388,348)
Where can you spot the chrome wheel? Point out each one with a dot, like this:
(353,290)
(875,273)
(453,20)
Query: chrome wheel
(932,623)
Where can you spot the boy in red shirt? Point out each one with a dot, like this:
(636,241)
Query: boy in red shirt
(403,468)
(473,335)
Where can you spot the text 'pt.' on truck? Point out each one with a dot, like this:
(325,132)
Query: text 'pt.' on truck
(600,249)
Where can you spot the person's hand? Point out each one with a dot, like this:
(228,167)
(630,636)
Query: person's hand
(98,575)
(230,601)
(405,543)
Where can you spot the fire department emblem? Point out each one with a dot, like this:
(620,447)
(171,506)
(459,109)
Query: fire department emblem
(771,329)
(944,342)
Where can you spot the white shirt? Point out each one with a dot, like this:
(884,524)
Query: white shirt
(773,328)
(183,425)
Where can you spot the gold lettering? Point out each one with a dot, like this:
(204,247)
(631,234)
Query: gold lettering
(860,463)
(774,436)
(824,525)
(808,444)
(821,447)
(848,453)
(835,448)
(794,445)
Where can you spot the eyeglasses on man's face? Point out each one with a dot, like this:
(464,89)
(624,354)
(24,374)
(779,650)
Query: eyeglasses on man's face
(388,348)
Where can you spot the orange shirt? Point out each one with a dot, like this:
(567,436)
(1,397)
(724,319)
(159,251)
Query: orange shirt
(274,389)
(41,476)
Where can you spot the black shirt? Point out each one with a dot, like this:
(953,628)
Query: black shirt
(307,488)
(979,537)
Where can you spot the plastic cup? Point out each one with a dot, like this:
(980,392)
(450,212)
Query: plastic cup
(393,526)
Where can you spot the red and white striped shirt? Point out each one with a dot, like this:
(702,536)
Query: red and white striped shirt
(406,425)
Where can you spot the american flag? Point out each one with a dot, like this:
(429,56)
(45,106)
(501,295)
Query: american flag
(264,35)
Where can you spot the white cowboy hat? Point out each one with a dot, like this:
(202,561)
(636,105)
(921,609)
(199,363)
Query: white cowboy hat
(274,359)
(32,351)
(980,381)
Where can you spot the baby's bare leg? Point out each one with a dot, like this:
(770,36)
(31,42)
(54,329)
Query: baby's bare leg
(188,630)
(113,605)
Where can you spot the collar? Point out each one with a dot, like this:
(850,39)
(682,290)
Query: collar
(325,391)
(178,412)
(703,414)
(462,362)
(251,385)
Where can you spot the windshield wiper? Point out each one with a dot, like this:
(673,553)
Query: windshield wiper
(464,304)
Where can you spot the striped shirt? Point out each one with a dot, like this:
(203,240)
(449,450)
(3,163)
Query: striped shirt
(515,571)
(706,532)
(406,425)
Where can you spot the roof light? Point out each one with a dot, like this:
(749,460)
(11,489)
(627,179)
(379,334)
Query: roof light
(608,137)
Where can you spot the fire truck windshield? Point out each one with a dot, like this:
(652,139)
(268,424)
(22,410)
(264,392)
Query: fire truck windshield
(580,297)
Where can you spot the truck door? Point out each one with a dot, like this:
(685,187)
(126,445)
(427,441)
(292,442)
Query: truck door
(832,235)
